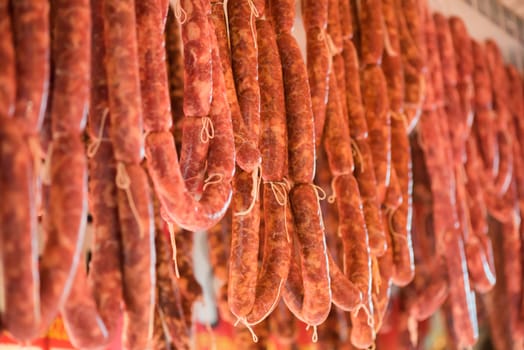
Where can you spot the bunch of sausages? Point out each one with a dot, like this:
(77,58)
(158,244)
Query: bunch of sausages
(322,181)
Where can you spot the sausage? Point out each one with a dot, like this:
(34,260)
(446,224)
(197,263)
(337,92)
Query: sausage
(337,142)
(30,26)
(276,255)
(312,247)
(362,332)
(318,62)
(273,134)
(367,187)
(84,326)
(446,49)
(67,214)
(315,14)
(462,298)
(357,120)
(404,267)
(152,63)
(346,22)
(8,70)
(345,295)
(242,278)
(300,123)
(391,58)
(412,52)
(136,220)
(190,288)
(175,71)
(196,38)
(282,15)
(374,97)
(105,274)
(393,198)
(371,32)
(244,62)
(161,155)
(247,153)
(122,66)
(168,294)
(21,316)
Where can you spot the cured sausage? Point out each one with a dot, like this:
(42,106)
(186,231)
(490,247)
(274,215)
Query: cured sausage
(244,244)
(276,255)
(300,123)
(273,136)
(21,315)
(357,120)
(197,41)
(244,61)
(30,26)
(391,58)
(311,242)
(247,154)
(168,293)
(136,219)
(374,98)
(122,66)
(84,326)
(371,32)
(178,204)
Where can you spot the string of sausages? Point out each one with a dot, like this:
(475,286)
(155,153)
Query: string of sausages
(357,187)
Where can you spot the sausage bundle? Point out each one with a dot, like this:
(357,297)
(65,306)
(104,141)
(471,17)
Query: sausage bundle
(386,154)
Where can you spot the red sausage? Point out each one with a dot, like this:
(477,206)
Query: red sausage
(8,69)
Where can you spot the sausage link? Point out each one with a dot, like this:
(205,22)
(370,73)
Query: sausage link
(463,49)
(462,298)
(345,294)
(315,14)
(123,80)
(481,76)
(135,211)
(432,296)
(336,134)
(67,215)
(371,32)
(273,135)
(276,255)
(300,123)
(30,25)
(393,199)
(175,70)
(105,267)
(21,307)
(8,69)
(190,289)
(84,326)
(334,29)
(311,241)
(487,141)
(242,279)
(374,97)
(357,121)
(168,294)
(477,205)
(152,63)
(244,61)
(346,22)
(248,156)
(368,192)
(362,332)
(196,38)
(447,49)
(391,58)
(283,15)
(404,267)
(318,76)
